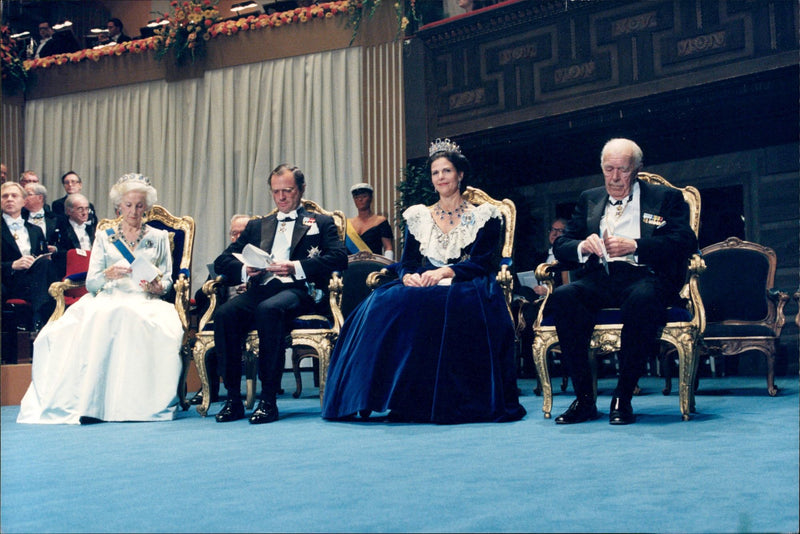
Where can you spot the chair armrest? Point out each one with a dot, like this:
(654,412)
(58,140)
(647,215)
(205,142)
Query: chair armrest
(210,290)
(335,287)
(57,290)
(181,287)
(691,292)
(777,300)
(379,278)
(506,280)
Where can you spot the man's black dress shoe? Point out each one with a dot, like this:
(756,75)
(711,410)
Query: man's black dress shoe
(266,412)
(621,412)
(232,410)
(578,412)
(198,398)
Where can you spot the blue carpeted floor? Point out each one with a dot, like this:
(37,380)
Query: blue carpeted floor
(733,468)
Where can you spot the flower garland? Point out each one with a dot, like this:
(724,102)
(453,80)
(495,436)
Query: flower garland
(325,10)
(15,77)
(187,29)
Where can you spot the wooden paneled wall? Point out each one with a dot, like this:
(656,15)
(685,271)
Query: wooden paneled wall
(384,124)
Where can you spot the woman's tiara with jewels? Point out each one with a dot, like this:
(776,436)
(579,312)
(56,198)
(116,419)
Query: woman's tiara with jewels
(443,145)
(134,177)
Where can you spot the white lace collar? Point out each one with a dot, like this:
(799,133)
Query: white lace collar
(440,247)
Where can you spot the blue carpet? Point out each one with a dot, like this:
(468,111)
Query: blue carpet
(733,468)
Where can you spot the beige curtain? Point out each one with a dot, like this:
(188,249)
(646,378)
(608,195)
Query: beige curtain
(209,143)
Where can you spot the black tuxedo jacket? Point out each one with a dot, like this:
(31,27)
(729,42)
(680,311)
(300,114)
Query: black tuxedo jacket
(52,225)
(59,209)
(666,242)
(68,239)
(11,251)
(315,244)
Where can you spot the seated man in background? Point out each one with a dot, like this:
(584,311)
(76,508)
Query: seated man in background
(75,230)
(633,240)
(37,212)
(25,275)
(224,293)
(72,184)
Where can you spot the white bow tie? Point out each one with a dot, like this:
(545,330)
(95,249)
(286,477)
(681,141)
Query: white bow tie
(16,224)
(292,215)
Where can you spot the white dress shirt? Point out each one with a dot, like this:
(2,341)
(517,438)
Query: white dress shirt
(83,235)
(20,233)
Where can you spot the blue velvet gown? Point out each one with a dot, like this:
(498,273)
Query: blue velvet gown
(442,354)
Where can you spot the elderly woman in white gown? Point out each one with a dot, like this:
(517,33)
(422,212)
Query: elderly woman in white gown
(114,355)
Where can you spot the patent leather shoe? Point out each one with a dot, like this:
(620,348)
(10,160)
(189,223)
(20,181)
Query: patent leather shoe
(621,412)
(198,398)
(266,412)
(578,412)
(232,410)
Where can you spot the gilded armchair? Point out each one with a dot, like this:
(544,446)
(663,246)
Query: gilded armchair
(181,240)
(743,310)
(684,325)
(311,335)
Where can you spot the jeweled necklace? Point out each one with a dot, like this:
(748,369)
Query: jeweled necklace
(131,244)
(440,212)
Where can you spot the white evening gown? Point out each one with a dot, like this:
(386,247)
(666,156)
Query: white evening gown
(115,354)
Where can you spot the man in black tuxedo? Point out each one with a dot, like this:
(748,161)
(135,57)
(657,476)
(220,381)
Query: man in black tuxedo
(306,249)
(643,233)
(115,33)
(36,211)
(75,230)
(24,276)
(53,42)
(73,184)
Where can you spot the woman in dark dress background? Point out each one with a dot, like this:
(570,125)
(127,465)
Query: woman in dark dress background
(436,345)
(368,231)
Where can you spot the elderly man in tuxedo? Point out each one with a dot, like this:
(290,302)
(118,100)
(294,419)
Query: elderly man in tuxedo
(633,240)
(25,274)
(305,248)
(77,231)
(36,211)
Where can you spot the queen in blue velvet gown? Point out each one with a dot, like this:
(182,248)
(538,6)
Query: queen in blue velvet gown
(436,345)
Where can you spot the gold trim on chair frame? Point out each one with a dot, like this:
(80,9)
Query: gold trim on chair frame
(683,335)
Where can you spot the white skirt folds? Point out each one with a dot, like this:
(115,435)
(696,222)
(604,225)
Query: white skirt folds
(113,357)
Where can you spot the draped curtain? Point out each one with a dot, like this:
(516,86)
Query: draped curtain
(208,144)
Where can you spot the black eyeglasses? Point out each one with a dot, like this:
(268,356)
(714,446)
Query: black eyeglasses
(557,230)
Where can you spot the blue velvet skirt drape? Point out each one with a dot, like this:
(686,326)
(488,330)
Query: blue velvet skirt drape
(442,354)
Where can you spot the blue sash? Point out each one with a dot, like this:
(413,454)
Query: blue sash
(125,251)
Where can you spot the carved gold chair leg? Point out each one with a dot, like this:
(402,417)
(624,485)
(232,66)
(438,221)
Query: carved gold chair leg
(202,345)
(540,348)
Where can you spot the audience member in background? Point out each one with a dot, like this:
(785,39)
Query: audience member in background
(633,240)
(528,297)
(72,184)
(25,275)
(224,293)
(28,177)
(368,231)
(115,354)
(75,230)
(115,33)
(53,42)
(306,249)
(37,212)
(3,173)
(436,345)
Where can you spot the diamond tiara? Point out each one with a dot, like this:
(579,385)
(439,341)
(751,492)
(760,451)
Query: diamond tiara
(134,177)
(443,145)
